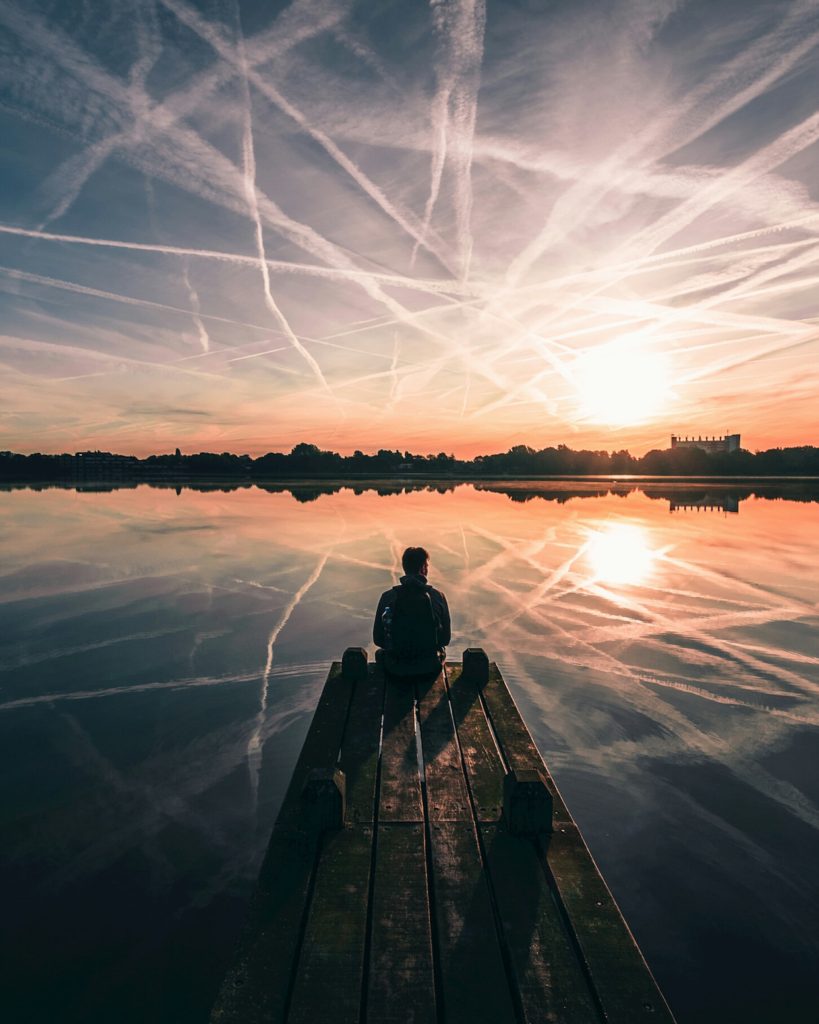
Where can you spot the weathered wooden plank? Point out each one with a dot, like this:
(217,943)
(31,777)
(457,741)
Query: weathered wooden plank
(621,979)
(401,987)
(330,969)
(483,765)
(474,985)
(323,740)
(552,985)
(624,984)
(256,987)
(514,739)
(359,751)
(400,796)
(447,795)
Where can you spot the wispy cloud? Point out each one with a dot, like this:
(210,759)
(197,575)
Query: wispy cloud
(404,205)
(459,25)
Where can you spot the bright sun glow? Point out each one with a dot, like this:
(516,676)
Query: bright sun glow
(620,554)
(622,383)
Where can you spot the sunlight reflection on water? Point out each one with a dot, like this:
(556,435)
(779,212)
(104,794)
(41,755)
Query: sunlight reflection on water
(620,553)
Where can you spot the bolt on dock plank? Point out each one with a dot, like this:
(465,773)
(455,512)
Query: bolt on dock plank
(424,869)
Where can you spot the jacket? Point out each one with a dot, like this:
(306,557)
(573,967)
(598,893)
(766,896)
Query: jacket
(439,607)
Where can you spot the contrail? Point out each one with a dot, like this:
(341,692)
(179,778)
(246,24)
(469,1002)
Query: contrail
(99,293)
(79,289)
(183,161)
(795,142)
(76,171)
(292,27)
(332,273)
(195,154)
(256,355)
(767,197)
(364,54)
(193,295)
(665,130)
(249,162)
(469,46)
(785,146)
(35,344)
(254,745)
(129,300)
(393,373)
(236,56)
(668,315)
(694,253)
(460,26)
(439,115)
(700,311)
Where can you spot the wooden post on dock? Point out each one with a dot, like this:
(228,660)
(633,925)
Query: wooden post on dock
(324,798)
(527,803)
(354,664)
(475,666)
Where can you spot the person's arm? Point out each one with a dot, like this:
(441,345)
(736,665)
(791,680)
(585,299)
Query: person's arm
(445,630)
(378,626)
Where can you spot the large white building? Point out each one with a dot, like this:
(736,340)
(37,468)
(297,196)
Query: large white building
(729,443)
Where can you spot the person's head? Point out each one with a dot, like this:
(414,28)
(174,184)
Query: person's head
(415,560)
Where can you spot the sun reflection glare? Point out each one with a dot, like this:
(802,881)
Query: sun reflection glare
(620,554)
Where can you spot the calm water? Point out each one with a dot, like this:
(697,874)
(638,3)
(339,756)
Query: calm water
(161,654)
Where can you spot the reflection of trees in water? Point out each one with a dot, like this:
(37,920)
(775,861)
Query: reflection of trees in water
(679,495)
(717,495)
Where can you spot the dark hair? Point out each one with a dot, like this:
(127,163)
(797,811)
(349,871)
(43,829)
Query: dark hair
(413,560)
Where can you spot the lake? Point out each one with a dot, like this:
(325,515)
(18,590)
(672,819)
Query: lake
(162,650)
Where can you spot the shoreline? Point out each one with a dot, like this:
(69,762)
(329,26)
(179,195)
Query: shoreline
(405,479)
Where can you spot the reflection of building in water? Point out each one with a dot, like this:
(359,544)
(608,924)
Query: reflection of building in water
(729,443)
(704,503)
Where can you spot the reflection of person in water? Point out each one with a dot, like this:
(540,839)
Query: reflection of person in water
(412,625)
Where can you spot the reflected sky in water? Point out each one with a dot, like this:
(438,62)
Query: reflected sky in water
(161,654)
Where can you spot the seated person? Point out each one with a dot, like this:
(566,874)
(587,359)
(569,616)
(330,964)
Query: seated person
(412,625)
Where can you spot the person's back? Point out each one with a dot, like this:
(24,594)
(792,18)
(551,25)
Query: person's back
(412,624)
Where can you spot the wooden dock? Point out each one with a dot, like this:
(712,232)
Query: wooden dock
(424,869)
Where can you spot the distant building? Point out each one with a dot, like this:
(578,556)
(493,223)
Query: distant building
(96,466)
(729,443)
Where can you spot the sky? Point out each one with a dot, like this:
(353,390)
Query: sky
(447,226)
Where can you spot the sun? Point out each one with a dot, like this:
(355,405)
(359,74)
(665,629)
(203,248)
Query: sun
(622,383)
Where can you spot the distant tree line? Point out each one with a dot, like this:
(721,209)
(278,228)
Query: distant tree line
(308,461)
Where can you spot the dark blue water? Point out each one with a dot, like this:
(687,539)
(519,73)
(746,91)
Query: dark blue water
(161,654)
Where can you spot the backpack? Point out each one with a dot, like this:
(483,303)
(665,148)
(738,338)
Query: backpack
(414,633)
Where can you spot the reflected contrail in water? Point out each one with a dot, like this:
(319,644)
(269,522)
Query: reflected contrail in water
(254,745)
(173,684)
(67,652)
(115,691)
(537,595)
